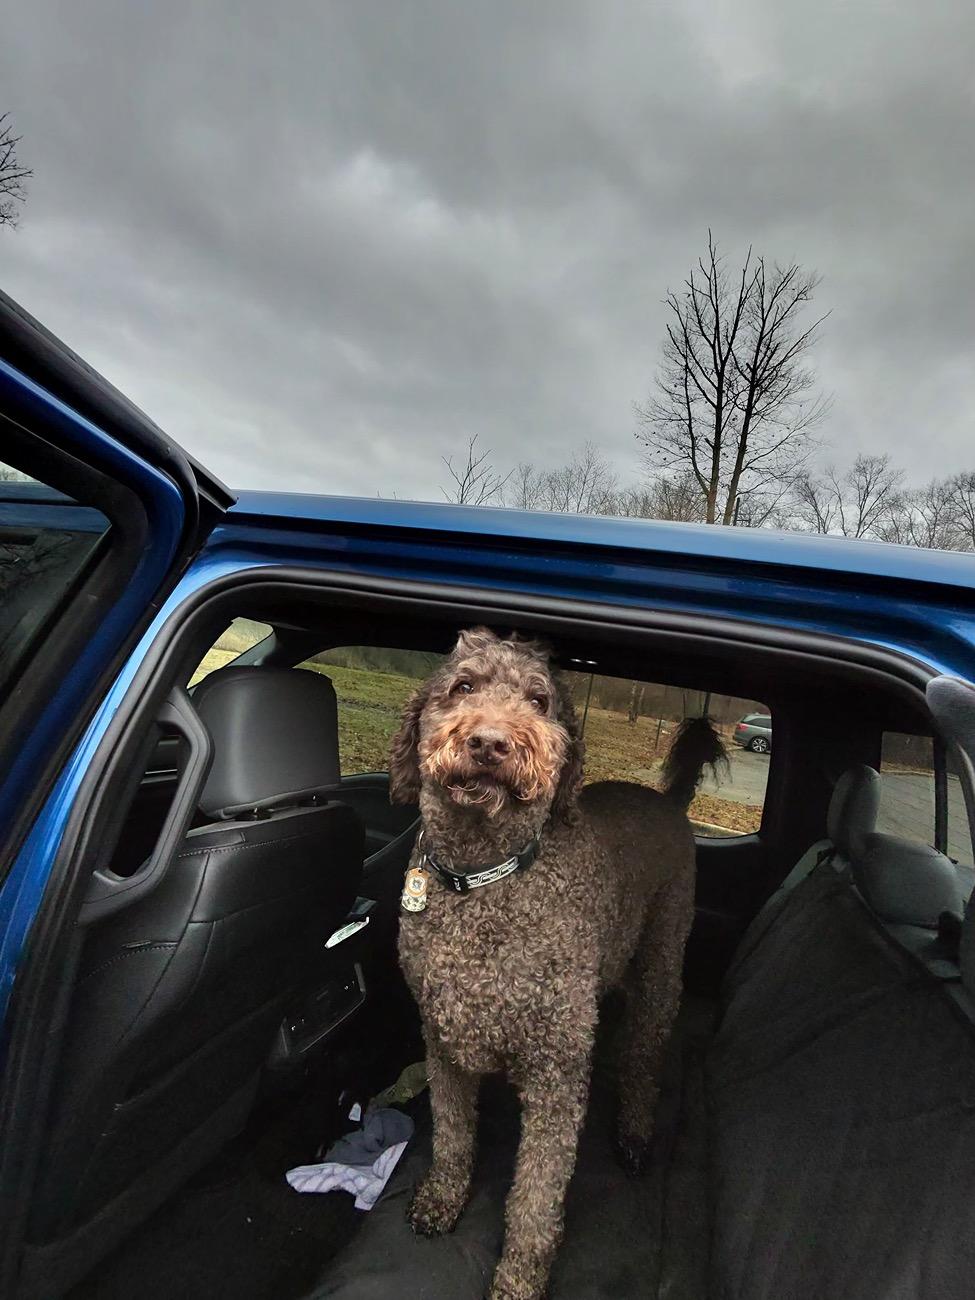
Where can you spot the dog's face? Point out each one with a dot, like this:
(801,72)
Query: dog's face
(494,726)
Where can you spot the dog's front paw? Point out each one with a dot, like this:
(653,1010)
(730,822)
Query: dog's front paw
(634,1152)
(436,1205)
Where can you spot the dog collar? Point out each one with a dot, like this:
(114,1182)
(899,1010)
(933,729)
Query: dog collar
(462,882)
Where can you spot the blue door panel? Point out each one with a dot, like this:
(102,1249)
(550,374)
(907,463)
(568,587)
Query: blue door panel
(164,505)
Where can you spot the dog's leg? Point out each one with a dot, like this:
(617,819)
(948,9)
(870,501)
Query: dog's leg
(442,1193)
(653,1000)
(553,1107)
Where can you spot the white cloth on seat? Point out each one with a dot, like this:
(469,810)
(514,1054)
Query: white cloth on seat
(361,1162)
(364,1184)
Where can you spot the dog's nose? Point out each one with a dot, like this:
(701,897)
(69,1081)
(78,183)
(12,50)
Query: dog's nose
(488,746)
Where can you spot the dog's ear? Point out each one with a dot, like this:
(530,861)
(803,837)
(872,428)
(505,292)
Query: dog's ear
(571,776)
(473,640)
(404,761)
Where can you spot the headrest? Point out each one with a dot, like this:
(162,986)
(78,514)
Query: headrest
(907,883)
(853,808)
(275,737)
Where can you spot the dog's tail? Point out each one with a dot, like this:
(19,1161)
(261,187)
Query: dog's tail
(695,746)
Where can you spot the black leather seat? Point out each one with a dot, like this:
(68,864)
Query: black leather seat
(179,995)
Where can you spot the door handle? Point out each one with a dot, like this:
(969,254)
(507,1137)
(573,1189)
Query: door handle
(108,892)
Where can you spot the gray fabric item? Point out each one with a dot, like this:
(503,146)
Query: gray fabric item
(841,1087)
(853,808)
(275,736)
(383,1127)
(360,1163)
(906,883)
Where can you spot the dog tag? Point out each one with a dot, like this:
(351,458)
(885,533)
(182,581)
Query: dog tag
(415,890)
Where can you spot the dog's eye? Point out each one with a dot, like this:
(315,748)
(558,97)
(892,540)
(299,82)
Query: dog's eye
(540,702)
(461,688)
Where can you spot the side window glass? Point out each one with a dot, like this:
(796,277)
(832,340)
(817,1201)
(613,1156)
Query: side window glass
(46,542)
(629,726)
(242,634)
(908,796)
(372,686)
(907,788)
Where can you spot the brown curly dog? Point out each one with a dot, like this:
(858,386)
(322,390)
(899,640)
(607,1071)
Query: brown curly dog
(591,888)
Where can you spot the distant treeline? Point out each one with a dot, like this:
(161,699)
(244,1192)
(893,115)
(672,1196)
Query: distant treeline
(652,700)
(403,663)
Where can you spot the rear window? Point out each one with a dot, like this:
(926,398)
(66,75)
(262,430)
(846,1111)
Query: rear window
(628,728)
(372,686)
(242,634)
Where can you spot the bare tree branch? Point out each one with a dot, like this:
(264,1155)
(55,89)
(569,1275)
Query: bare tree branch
(13,190)
(931,517)
(858,503)
(475,483)
(962,497)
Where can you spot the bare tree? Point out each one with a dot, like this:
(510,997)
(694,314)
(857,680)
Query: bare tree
(527,491)
(734,403)
(667,497)
(13,190)
(857,503)
(771,505)
(816,500)
(475,483)
(584,485)
(922,517)
(962,489)
(866,495)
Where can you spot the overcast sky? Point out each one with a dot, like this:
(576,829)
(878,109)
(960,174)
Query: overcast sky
(321,243)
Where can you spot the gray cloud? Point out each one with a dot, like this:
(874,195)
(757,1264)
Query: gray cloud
(321,244)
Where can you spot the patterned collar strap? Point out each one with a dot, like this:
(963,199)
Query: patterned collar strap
(462,882)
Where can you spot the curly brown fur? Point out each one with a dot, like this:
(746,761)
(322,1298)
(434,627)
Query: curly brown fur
(508,977)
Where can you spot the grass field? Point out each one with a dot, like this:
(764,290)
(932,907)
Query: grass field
(371,702)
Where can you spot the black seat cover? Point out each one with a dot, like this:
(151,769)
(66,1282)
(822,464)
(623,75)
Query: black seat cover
(841,1091)
(178,996)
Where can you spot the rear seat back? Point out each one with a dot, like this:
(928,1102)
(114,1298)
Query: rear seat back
(841,1088)
(852,816)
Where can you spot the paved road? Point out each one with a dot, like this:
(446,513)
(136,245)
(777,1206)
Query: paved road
(746,783)
(906,802)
